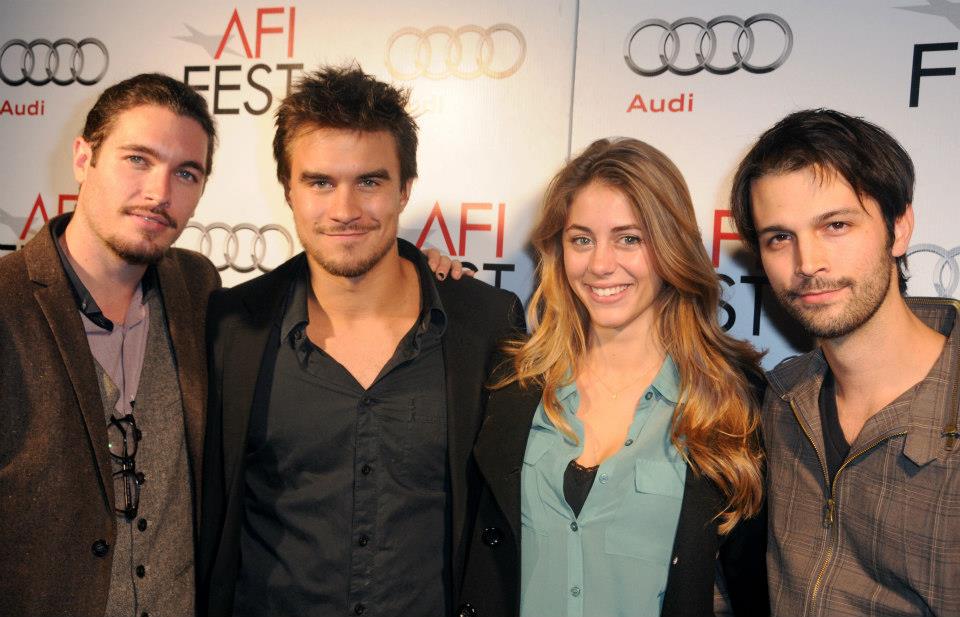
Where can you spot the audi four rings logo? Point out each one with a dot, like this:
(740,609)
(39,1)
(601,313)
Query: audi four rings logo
(228,239)
(705,45)
(466,53)
(946,263)
(42,62)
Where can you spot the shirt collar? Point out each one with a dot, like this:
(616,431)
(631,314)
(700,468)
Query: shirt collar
(666,383)
(85,301)
(432,315)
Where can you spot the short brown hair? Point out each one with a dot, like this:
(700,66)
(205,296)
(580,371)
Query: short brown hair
(345,98)
(147,89)
(828,141)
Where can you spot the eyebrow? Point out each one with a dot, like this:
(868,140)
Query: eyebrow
(619,228)
(314,176)
(155,154)
(818,220)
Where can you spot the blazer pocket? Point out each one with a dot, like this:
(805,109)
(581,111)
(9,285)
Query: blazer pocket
(648,514)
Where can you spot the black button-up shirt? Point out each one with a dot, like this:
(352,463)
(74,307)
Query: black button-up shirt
(347,494)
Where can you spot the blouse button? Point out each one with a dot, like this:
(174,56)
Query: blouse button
(574,591)
(648,395)
(628,442)
(574,526)
(604,478)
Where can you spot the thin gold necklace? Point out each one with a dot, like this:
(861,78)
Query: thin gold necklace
(613,393)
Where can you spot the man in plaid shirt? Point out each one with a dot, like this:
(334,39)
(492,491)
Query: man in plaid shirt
(861,433)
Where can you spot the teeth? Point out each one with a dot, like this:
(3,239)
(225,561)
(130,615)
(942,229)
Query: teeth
(603,292)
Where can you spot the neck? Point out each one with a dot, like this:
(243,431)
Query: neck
(882,358)
(616,352)
(109,279)
(375,293)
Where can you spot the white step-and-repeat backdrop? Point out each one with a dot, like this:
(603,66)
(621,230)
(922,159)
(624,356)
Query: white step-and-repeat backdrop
(504,92)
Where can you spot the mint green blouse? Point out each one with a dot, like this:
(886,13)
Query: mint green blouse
(613,559)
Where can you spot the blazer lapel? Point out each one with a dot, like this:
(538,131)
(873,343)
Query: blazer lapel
(244,352)
(55,298)
(502,443)
(186,335)
(465,375)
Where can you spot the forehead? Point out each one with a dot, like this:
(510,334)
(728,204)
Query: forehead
(802,194)
(332,148)
(161,129)
(598,203)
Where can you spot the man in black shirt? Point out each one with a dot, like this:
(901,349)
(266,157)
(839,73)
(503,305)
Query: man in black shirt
(347,386)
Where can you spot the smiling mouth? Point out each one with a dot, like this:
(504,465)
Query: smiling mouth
(606,292)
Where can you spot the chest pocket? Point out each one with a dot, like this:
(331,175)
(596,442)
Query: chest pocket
(646,520)
(414,441)
(533,511)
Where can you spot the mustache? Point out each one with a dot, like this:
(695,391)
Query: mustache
(816,285)
(344,229)
(160,213)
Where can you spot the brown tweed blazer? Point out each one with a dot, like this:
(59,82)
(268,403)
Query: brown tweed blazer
(56,492)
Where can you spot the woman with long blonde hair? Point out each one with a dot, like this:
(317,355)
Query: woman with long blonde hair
(620,452)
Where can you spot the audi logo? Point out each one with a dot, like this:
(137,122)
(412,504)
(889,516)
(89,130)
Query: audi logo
(705,45)
(228,239)
(946,264)
(48,65)
(466,53)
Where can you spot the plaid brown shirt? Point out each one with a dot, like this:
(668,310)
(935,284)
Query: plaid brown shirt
(884,540)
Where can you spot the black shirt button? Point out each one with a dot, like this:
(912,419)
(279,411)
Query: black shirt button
(141,571)
(100,548)
(142,524)
(363,540)
(466,610)
(366,469)
(359,609)
(491,536)
(366,402)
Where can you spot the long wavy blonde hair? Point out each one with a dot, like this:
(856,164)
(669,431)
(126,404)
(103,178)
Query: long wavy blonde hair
(715,422)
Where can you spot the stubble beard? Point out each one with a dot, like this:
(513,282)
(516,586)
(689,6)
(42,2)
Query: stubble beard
(350,264)
(145,250)
(867,296)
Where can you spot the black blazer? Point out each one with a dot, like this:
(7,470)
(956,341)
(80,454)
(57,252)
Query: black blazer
(242,338)
(491,586)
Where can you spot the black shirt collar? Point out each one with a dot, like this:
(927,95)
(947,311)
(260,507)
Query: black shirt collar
(432,314)
(85,302)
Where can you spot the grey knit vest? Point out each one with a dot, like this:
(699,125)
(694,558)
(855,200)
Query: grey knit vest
(153,571)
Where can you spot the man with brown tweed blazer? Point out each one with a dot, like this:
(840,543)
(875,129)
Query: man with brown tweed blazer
(102,376)
(861,434)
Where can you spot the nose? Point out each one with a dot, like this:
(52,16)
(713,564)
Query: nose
(603,260)
(157,187)
(810,256)
(344,206)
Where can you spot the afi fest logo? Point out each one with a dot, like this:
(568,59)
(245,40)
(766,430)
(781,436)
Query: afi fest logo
(247,86)
(23,226)
(723,230)
(951,12)
(484,219)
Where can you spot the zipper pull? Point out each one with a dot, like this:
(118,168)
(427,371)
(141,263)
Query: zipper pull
(828,513)
(951,433)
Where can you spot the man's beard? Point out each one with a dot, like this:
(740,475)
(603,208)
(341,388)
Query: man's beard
(143,252)
(867,296)
(351,265)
